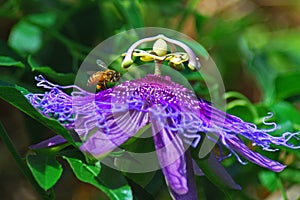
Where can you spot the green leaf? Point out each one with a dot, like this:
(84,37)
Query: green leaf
(89,174)
(269,180)
(243,103)
(131,12)
(291,175)
(45,169)
(6,50)
(5,139)
(8,61)
(61,78)
(26,37)
(258,63)
(287,85)
(46,19)
(14,95)
(286,112)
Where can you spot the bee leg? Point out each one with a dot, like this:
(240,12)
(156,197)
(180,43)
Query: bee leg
(98,87)
(104,85)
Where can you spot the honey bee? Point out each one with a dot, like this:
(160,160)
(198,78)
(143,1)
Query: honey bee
(101,78)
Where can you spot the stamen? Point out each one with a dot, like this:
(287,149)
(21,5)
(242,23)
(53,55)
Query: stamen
(196,139)
(42,82)
(193,60)
(270,123)
(231,150)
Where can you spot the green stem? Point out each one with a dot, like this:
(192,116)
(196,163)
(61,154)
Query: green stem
(243,100)
(281,187)
(157,68)
(6,139)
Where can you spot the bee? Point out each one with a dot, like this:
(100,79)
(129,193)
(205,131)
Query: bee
(101,78)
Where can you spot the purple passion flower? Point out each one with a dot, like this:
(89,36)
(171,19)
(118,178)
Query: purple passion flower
(107,119)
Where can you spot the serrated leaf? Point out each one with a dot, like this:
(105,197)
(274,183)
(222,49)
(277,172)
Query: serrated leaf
(8,62)
(89,174)
(269,180)
(45,169)
(14,95)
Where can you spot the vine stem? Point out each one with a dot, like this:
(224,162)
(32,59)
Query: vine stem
(10,146)
(281,188)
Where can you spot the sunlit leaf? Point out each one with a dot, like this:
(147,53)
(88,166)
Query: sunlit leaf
(45,169)
(89,174)
(26,35)
(25,38)
(268,179)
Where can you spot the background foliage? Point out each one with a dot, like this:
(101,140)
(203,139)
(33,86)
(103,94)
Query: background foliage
(255,44)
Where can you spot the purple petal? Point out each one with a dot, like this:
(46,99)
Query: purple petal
(192,192)
(225,124)
(197,170)
(237,145)
(51,142)
(119,127)
(107,119)
(170,152)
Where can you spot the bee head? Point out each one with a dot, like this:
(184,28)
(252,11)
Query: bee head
(116,76)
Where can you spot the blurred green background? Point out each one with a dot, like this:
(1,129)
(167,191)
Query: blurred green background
(255,44)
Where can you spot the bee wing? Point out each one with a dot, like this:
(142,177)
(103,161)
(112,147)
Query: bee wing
(101,64)
(91,72)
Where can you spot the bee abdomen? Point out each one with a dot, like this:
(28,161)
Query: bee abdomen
(94,79)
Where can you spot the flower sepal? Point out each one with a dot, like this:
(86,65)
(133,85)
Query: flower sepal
(55,144)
